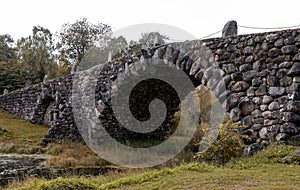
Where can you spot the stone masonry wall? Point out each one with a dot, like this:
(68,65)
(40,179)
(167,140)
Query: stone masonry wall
(256,77)
(47,103)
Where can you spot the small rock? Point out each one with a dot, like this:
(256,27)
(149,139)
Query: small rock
(285,64)
(281,137)
(257,127)
(272,81)
(295,70)
(256,82)
(294,96)
(286,81)
(237,76)
(283,100)
(249,59)
(276,91)
(264,73)
(235,114)
(296,79)
(289,40)
(249,75)
(251,149)
(263,133)
(262,90)
(256,113)
(272,37)
(247,121)
(231,48)
(229,68)
(266,46)
(259,65)
(251,91)
(258,120)
(256,100)
(231,102)
(245,67)
(295,87)
(240,86)
(274,106)
(279,43)
(248,50)
(293,106)
(289,128)
(274,52)
(291,117)
(269,122)
(289,49)
(267,99)
(246,106)
(267,114)
(263,107)
(296,57)
(281,73)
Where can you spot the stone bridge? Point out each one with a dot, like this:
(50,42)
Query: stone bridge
(256,78)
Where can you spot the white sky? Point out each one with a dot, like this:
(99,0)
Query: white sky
(199,18)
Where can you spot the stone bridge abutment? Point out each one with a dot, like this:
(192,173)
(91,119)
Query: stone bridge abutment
(256,78)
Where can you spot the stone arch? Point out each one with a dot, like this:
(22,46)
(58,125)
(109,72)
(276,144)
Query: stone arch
(44,112)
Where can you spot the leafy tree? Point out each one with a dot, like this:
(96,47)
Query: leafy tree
(92,57)
(36,54)
(7,49)
(150,38)
(9,70)
(117,46)
(77,38)
(114,48)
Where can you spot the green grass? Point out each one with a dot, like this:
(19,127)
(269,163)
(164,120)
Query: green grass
(268,169)
(19,136)
(276,167)
(274,154)
(187,176)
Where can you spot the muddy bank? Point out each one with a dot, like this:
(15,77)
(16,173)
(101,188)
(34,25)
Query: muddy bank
(15,167)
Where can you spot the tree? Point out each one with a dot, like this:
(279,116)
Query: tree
(112,49)
(7,49)
(36,54)
(11,76)
(118,46)
(9,70)
(77,38)
(150,38)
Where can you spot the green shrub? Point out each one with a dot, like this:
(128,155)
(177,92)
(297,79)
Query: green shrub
(226,146)
(276,153)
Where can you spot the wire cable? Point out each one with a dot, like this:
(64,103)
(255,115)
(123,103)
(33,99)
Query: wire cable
(210,35)
(268,28)
(197,38)
(242,26)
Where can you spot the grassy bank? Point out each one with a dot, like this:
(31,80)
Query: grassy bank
(276,167)
(188,176)
(19,136)
(22,137)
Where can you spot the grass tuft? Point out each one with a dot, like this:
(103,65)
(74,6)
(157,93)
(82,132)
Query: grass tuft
(73,155)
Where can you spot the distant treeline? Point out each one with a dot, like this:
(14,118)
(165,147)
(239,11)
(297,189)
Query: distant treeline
(54,54)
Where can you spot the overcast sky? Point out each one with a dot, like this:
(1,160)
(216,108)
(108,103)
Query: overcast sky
(199,18)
